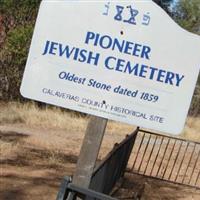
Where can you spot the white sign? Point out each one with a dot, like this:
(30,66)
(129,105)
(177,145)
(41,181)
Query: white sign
(122,60)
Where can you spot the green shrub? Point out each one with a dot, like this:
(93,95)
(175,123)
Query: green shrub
(17,18)
(195,105)
(13,58)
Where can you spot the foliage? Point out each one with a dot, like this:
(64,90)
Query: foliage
(18,18)
(165,4)
(21,11)
(13,58)
(187,14)
(195,106)
(17,44)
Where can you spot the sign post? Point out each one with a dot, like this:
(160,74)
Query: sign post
(89,151)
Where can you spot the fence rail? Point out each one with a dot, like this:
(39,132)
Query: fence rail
(69,191)
(166,158)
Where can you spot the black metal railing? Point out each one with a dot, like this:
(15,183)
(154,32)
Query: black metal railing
(113,167)
(166,158)
(69,191)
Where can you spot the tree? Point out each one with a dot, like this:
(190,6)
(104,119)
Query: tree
(165,4)
(17,20)
(187,14)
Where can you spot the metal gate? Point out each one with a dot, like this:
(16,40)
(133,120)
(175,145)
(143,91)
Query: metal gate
(113,166)
(166,158)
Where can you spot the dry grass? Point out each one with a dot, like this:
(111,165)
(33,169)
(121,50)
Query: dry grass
(8,149)
(31,115)
(192,129)
(54,118)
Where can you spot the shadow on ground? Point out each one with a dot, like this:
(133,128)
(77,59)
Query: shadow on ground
(151,189)
(31,173)
(12,136)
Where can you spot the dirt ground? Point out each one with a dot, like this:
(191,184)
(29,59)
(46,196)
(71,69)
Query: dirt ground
(34,161)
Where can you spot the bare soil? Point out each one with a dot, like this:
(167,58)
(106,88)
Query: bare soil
(34,161)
